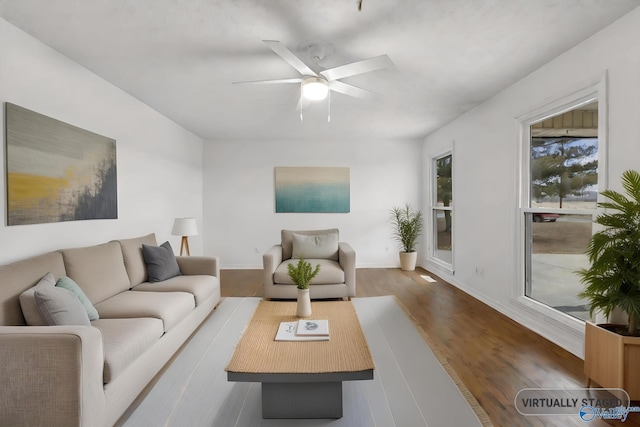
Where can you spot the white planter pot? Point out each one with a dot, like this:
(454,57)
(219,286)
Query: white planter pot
(304,303)
(408,260)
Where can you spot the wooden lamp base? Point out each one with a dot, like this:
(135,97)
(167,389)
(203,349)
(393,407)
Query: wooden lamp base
(184,245)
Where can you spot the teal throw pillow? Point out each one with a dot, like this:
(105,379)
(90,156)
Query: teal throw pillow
(67,283)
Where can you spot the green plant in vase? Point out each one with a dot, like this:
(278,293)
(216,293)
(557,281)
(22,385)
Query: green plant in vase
(407,226)
(613,280)
(302,273)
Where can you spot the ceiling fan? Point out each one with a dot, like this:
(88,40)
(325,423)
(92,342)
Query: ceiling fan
(317,86)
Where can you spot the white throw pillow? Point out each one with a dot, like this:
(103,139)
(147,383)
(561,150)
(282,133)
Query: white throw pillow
(319,246)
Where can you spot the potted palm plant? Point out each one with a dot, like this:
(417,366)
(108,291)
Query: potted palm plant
(302,273)
(613,282)
(407,226)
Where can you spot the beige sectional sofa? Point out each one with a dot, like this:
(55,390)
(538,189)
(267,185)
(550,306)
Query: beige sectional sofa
(89,375)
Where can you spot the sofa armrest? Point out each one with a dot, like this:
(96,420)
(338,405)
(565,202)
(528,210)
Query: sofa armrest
(201,265)
(347,260)
(51,375)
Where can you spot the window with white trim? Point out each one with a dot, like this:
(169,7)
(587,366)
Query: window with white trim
(442,210)
(563,153)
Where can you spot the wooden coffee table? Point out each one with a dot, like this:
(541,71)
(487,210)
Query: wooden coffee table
(302,379)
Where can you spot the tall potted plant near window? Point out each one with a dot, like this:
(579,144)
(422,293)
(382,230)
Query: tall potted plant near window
(613,281)
(407,226)
(302,273)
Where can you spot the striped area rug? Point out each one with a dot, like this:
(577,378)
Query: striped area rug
(411,388)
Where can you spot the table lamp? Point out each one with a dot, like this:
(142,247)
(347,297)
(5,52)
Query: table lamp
(184,227)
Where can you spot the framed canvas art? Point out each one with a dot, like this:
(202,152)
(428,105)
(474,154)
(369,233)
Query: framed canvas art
(56,171)
(312,189)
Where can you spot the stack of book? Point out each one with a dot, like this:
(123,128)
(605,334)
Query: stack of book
(303,330)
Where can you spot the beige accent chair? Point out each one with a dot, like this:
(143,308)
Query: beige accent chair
(337,277)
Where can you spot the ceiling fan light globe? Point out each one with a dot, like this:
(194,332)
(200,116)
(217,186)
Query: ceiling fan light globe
(315,89)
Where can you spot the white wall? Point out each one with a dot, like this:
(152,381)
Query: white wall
(239,207)
(159,163)
(486,163)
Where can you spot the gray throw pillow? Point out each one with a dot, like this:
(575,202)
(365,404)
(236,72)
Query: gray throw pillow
(319,246)
(60,306)
(161,262)
(67,283)
(28,304)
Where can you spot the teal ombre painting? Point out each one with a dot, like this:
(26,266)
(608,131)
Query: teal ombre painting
(312,190)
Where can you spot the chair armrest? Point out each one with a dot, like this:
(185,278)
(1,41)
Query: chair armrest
(51,375)
(271,259)
(347,260)
(200,265)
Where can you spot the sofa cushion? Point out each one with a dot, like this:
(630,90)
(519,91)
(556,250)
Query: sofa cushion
(19,276)
(133,258)
(286,237)
(160,261)
(124,340)
(67,283)
(30,309)
(201,287)
(170,307)
(98,270)
(315,246)
(60,306)
(330,272)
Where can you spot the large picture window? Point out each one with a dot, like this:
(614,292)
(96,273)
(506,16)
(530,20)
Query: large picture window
(563,152)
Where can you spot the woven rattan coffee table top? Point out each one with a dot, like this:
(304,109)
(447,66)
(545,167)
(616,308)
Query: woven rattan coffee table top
(346,351)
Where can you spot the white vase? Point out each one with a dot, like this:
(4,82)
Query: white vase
(408,260)
(304,303)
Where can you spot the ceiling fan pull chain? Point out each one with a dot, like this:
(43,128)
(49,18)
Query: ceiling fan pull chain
(329,107)
(301,108)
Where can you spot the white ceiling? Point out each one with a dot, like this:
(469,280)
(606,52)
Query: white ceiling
(181,56)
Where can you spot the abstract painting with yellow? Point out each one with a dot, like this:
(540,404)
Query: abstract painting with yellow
(56,171)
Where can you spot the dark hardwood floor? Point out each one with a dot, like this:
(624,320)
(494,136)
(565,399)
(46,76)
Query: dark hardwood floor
(494,356)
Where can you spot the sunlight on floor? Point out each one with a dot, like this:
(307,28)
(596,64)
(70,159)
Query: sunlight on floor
(428,278)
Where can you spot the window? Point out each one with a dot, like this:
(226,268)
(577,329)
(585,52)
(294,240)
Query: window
(562,180)
(442,209)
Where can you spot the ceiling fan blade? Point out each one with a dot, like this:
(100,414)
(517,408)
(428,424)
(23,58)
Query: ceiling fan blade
(261,82)
(289,57)
(359,67)
(351,90)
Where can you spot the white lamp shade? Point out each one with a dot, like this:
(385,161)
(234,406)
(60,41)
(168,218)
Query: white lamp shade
(184,227)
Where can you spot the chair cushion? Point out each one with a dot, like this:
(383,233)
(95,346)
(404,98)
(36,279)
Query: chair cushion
(124,340)
(286,237)
(60,306)
(330,272)
(200,286)
(170,307)
(133,258)
(30,310)
(67,283)
(160,261)
(315,246)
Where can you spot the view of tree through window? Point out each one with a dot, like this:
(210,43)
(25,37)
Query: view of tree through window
(563,168)
(563,195)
